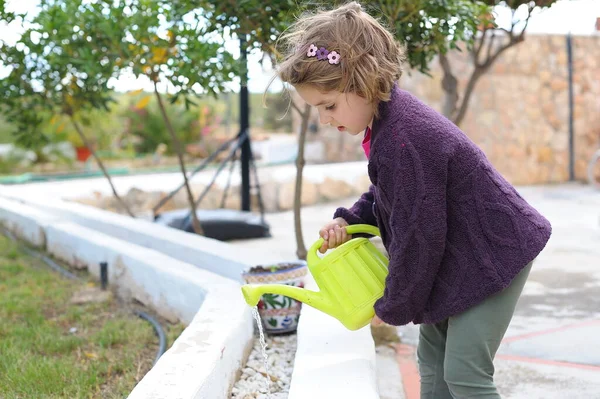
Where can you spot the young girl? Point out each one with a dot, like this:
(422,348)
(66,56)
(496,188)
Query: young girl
(460,239)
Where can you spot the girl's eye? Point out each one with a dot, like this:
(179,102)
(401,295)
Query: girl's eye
(330,107)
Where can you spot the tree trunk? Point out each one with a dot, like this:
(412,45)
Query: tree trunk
(300,247)
(450,87)
(101,165)
(179,150)
(455,108)
(464,104)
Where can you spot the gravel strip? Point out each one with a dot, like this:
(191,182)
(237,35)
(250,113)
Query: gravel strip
(252,384)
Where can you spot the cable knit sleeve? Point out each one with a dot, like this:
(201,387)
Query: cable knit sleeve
(412,179)
(361,212)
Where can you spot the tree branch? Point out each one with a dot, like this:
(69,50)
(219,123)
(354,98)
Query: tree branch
(495,56)
(297,108)
(491,57)
(479,70)
(100,164)
(479,45)
(179,150)
(460,114)
(300,247)
(529,11)
(490,47)
(450,86)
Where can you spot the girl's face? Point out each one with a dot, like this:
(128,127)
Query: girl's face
(348,112)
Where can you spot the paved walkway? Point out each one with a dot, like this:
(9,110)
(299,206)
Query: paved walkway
(552,347)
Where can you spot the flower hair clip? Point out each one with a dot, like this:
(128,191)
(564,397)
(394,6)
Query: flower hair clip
(323,54)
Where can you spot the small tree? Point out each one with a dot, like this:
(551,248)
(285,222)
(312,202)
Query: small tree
(489,43)
(167,42)
(261,24)
(433,28)
(54,69)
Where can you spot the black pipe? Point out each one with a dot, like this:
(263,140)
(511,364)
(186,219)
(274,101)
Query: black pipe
(52,264)
(38,255)
(103,275)
(160,333)
(571,111)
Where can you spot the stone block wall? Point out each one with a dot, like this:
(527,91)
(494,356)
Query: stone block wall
(277,195)
(519,111)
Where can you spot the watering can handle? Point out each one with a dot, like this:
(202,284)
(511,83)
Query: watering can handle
(352,229)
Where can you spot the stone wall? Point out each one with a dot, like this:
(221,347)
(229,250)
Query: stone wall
(519,111)
(277,196)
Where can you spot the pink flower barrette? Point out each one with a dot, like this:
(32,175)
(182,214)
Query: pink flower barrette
(323,54)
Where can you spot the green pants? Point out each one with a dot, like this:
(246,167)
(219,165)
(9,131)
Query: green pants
(456,355)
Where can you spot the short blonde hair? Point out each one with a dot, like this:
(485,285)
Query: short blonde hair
(370,58)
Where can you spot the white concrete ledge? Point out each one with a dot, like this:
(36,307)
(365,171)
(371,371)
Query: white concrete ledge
(332,361)
(208,254)
(25,222)
(171,287)
(204,361)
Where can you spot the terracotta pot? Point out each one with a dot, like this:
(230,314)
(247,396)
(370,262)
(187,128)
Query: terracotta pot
(279,314)
(83,153)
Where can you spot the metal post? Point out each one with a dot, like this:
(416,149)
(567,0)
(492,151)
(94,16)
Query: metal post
(244,126)
(571,110)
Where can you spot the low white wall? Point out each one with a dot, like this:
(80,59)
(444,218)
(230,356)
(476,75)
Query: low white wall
(171,287)
(211,255)
(332,361)
(25,222)
(204,361)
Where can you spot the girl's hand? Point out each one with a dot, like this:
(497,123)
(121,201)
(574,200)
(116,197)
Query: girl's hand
(376,321)
(334,234)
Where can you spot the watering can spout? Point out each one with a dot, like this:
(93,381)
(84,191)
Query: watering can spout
(253,292)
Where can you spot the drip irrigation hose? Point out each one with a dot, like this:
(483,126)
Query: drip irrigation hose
(159,331)
(53,265)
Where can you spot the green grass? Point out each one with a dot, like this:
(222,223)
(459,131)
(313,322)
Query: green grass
(109,353)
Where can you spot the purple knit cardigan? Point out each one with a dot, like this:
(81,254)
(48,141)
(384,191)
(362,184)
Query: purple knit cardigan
(455,230)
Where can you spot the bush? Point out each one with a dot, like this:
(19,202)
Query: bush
(146,128)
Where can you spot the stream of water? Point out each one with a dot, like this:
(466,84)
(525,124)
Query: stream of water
(263,345)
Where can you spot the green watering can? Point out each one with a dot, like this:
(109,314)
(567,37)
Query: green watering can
(351,278)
